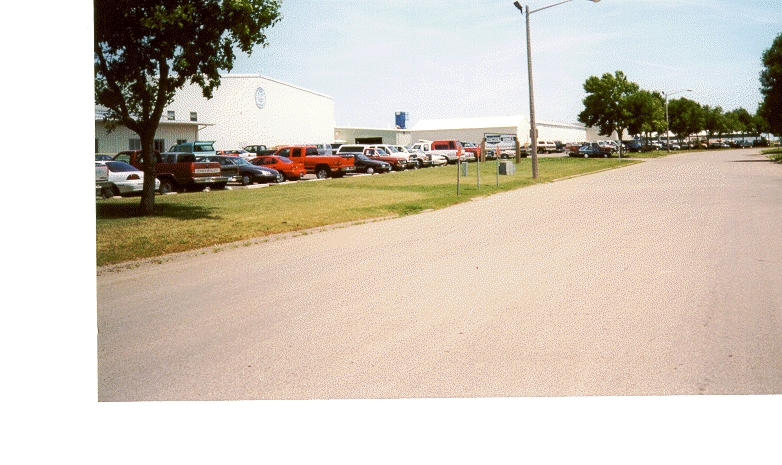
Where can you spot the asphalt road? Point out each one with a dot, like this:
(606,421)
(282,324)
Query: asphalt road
(659,278)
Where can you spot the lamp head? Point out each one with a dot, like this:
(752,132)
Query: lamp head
(518,5)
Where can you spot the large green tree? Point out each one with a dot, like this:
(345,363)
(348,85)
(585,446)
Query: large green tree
(147,49)
(714,122)
(771,87)
(685,116)
(606,105)
(647,113)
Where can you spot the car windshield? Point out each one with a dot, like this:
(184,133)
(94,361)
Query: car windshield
(241,161)
(362,157)
(120,166)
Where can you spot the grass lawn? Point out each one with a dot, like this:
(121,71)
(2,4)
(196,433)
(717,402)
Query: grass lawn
(773,153)
(191,221)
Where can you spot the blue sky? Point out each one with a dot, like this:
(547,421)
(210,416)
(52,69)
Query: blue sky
(437,59)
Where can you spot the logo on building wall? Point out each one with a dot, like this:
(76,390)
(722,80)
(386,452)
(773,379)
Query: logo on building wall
(260,97)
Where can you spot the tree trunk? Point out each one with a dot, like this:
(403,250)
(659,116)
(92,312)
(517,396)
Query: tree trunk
(147,207)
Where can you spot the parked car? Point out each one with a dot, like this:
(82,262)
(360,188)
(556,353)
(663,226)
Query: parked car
(237,153)
(241,170)
(473,148)
(249,173)
(431,158)
(178,171)
(364,164)
(325,149)
(291,170)
(259,149)
(419,158)
(203,147)
(633,146)
(546,146)
(592,149)
(124,179)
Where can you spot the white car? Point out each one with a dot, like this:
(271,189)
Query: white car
(123,179)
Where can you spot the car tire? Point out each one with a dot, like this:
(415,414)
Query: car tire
(247,180)
(166,186)
(605,155)
(586,155)
(419,164)
(322,173)
(219,186)
(370,170)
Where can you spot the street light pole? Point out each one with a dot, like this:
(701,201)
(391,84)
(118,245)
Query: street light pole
(667,122)
(533,128)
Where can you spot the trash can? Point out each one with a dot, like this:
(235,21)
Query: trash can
(507,167)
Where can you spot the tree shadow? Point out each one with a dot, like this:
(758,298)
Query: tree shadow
(109,211)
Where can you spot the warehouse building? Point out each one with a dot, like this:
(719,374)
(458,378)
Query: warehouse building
(475,129)
(246,109)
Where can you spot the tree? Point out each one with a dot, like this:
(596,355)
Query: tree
(606,106)
(647,112)
(713,122)
(744,120)
(685,116)
(147,49)
(771,87)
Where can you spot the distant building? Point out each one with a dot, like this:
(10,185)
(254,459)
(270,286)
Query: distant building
(474,129)
(353,135)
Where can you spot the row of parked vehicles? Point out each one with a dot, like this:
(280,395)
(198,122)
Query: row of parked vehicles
(197,165)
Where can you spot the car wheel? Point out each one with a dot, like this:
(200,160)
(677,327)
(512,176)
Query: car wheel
(114,191)
(586,155)
(246,180)
(105,193)
(370,170)
(419,164)
(322,173)
(605,155)
(166,186)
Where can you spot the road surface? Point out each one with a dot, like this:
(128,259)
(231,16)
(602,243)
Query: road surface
(660,278)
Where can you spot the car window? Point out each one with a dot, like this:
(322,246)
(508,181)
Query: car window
(119,166)
(312,151)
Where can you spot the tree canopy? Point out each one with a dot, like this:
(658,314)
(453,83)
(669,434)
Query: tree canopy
(771,86)
(606,105)
(685,116)
(147,49)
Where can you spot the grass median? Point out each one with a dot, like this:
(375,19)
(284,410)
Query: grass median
(191,221)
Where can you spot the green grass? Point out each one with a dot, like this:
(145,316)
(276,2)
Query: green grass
(191,221)
(773,153)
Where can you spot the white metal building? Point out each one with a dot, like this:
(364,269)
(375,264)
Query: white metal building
(246,109)
(353,135)
(474,129)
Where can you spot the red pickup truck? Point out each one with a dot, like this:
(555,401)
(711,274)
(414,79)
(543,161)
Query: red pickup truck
(178,171)
(323,166)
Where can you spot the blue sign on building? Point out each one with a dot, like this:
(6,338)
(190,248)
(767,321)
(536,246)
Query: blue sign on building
(401,120)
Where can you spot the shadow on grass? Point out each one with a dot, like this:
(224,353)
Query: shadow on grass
(108,211)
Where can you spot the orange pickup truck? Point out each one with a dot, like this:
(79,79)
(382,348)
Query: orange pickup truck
(323,166)
(178,171)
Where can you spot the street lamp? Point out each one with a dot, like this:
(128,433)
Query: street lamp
(532,126)
(667,123)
